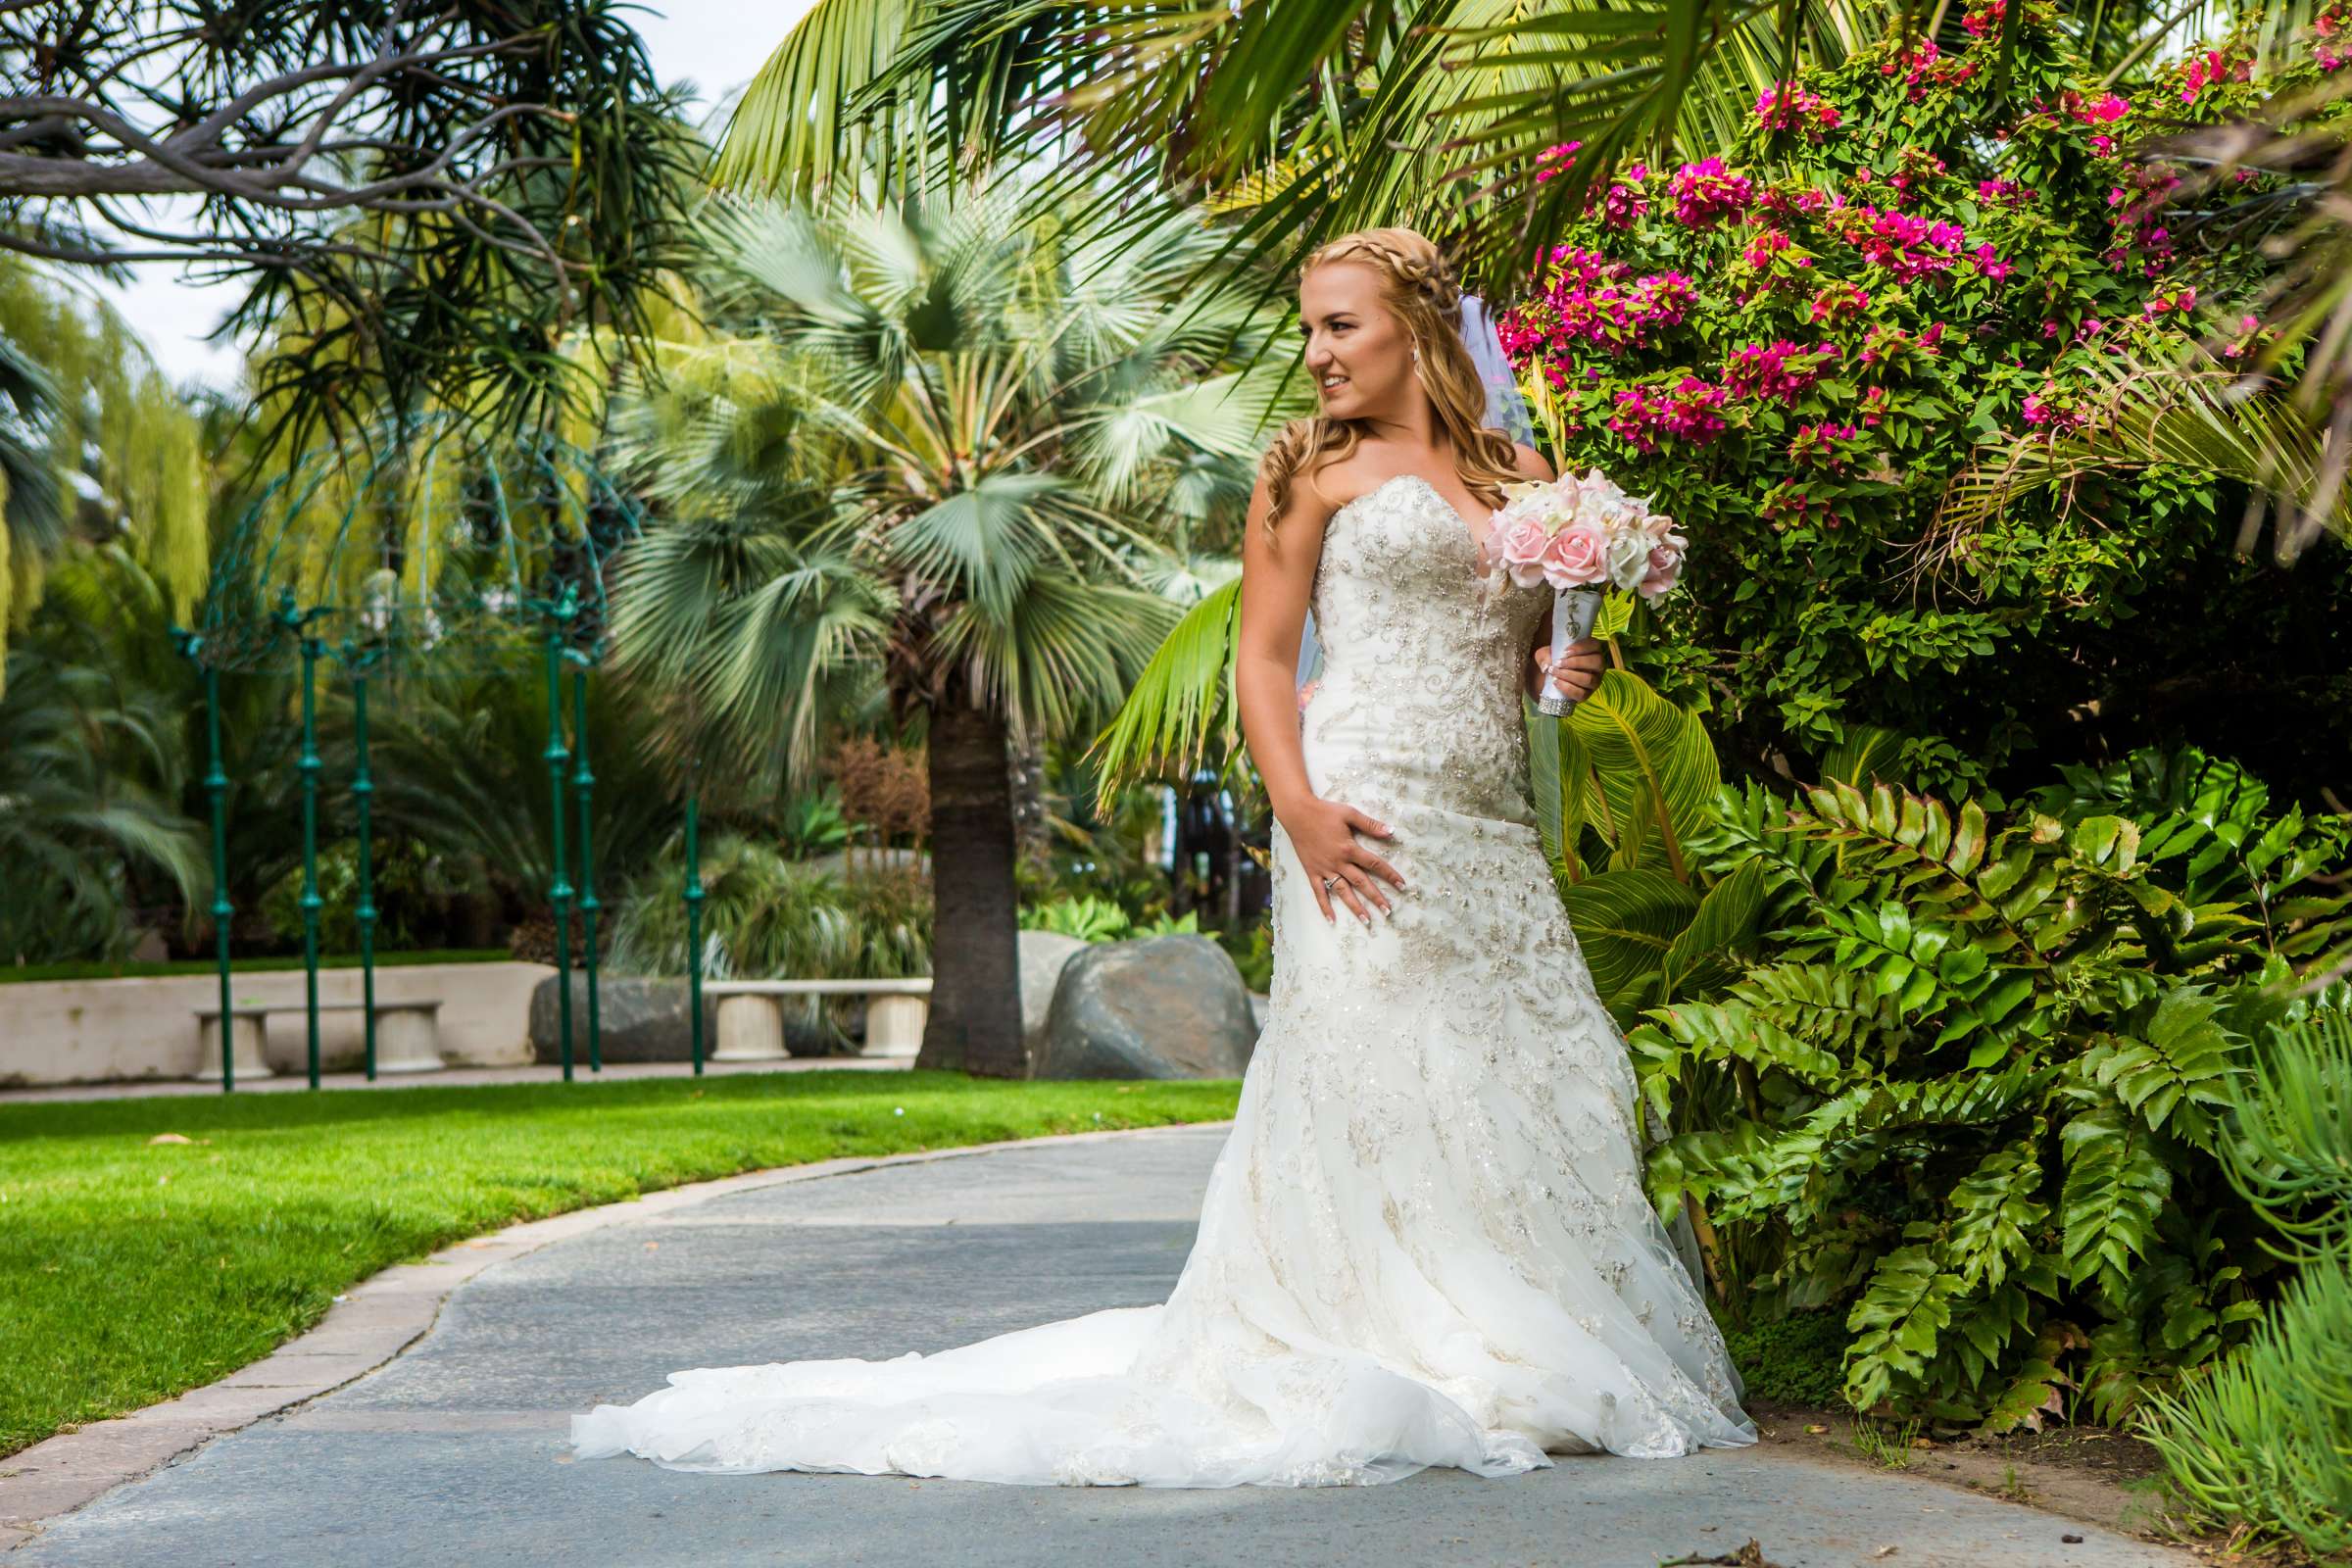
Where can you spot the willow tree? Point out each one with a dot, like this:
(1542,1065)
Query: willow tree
(94,446)
(942,447)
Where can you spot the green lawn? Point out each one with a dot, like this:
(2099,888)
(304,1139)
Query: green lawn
(131,1271)
(130,969)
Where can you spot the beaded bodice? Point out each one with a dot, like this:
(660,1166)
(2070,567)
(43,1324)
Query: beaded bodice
(1423,655)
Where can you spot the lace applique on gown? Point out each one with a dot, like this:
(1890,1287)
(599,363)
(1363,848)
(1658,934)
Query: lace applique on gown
(1425,1240)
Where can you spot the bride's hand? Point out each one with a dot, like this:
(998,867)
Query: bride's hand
(1580,668)
(1322,834)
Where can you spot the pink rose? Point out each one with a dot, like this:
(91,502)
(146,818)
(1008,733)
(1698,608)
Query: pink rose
(1522,541)
(1665,565)
(1576,555)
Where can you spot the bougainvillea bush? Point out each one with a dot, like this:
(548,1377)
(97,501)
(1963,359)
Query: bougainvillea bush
(1799,342)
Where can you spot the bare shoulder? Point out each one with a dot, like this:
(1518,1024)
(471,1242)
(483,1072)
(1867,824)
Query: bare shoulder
(1531,463)
(1335,484)
(1305,512)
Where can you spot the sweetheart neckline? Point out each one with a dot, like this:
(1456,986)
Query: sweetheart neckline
(1478,540)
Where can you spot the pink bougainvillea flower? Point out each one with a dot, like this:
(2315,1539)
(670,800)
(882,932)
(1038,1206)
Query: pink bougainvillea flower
(1767,244)
(1783,371)
(1555,159)
(1816,445)
(1838,302)
(1645,415)
(1704,193)
(1790,106)
(1923,68)
(1911,247)
(1623,203)
(2328,28)
(2209,68)
(2103,111)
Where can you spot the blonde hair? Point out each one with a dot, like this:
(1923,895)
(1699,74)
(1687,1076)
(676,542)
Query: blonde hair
(1420,290)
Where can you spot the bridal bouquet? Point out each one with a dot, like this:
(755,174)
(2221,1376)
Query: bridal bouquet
(1585,537)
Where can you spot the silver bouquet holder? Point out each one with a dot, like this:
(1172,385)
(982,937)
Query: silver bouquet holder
(1573,611)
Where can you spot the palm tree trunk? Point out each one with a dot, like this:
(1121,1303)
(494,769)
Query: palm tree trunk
(975,1019)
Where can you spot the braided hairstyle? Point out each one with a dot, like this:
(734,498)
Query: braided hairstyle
(1420,290)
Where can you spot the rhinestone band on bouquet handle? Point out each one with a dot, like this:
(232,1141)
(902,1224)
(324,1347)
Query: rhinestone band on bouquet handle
(1586,538)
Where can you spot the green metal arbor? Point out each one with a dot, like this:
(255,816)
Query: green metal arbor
(419,553)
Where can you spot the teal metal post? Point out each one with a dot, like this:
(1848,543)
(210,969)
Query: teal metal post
(694,917)
(560,894)
(363,791)
(584,782)
(311,903)
(215,787)
(309,769)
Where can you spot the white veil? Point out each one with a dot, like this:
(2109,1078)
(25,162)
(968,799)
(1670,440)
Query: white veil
(1506,405)
(1506,410)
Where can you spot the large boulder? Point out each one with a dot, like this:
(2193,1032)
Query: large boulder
(639,1019)
(1043,954)
(1171,1007)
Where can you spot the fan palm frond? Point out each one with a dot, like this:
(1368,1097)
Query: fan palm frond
(1309,117)
(2209,421)
(1181,702)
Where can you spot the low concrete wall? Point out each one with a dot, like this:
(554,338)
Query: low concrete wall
(105,1031)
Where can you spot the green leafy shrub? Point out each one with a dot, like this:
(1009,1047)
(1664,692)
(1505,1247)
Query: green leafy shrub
(1252,952)
(1087,916)
(409,883)
(1797,346)
(812,824)
(1625,785)
(1791,1360)
(767,916)
(1971,1098)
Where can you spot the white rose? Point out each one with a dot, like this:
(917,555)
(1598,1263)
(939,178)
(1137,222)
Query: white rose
(1628,558)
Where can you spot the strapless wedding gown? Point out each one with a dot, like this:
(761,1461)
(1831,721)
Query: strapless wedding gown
(1425,1240)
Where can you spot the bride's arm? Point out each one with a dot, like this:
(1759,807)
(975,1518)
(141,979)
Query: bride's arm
(1276,584)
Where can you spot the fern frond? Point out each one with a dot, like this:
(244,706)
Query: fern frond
(2116,1188)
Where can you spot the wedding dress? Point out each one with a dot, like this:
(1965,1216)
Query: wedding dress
(1425,1240)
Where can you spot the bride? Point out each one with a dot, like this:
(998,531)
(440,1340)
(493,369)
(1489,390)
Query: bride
(1425,1240)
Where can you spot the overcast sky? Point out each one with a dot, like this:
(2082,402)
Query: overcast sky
(715,44)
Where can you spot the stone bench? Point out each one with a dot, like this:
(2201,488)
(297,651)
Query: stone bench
(751,1014)
(407,1036)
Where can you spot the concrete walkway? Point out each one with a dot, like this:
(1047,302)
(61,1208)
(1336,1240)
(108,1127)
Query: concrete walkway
(454,1451)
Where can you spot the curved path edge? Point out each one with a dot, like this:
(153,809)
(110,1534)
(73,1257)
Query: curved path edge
(371,1324)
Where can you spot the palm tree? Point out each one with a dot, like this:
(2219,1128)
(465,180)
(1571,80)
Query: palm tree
(1306,116)
(91,760)
(943,454)
(1310,117)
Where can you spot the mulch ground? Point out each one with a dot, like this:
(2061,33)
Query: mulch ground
(2100,1475)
